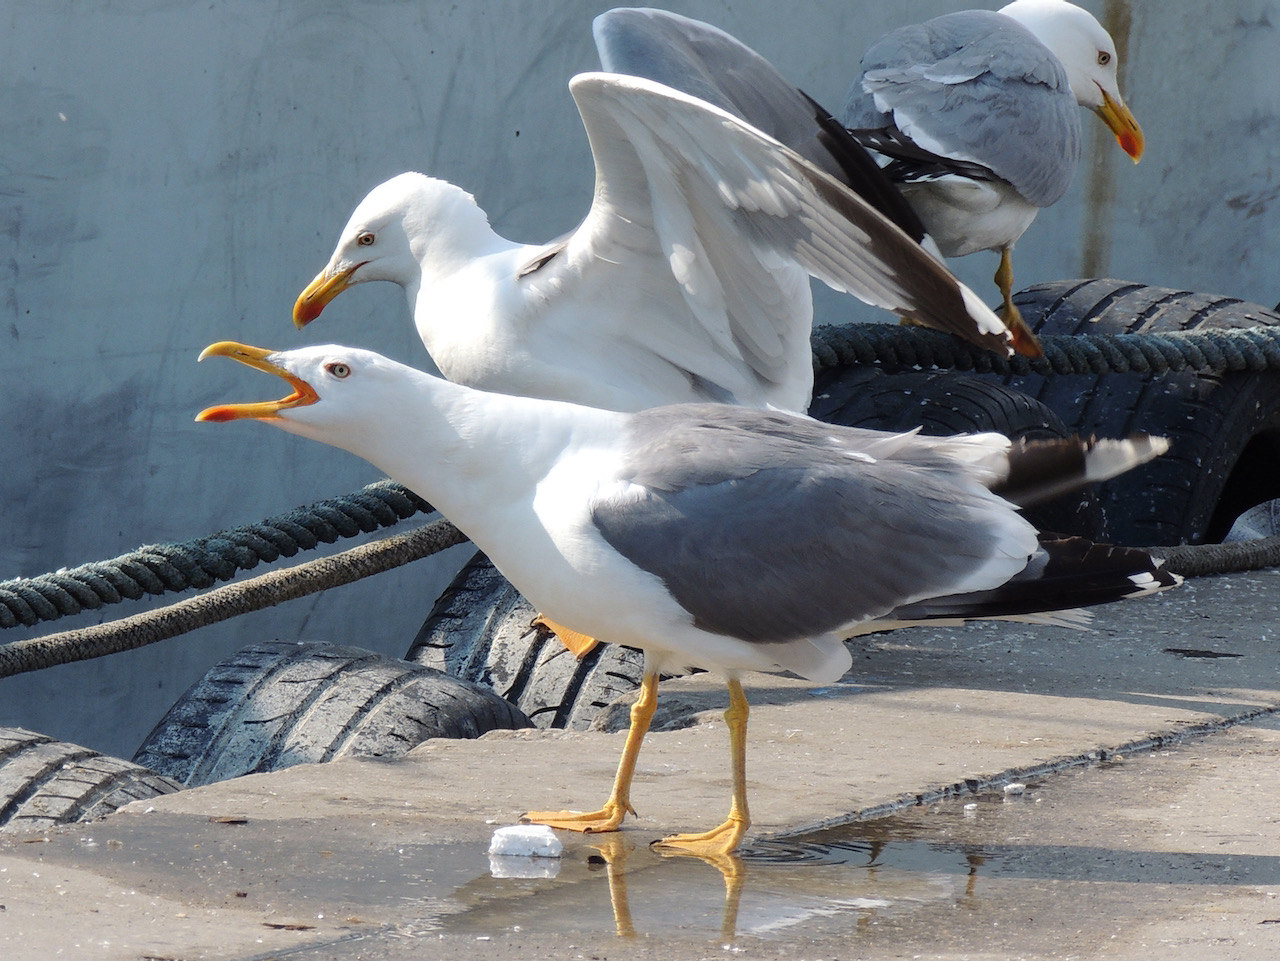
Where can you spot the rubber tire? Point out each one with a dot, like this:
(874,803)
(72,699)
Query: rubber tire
(943,403)
(44,782)
(481,630)
(940,402)
(1224,430)
(276,704)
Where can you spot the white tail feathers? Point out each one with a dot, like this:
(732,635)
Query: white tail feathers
(1146,582)
(1105,459)
(1039,470)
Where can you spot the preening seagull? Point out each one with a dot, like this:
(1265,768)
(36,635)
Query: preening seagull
(975,116)
(714,536)
(688,280)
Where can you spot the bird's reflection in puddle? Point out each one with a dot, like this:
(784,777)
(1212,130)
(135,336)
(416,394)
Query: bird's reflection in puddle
(613,854)
(833,881)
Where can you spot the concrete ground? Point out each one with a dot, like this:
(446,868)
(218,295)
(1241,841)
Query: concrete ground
(888,819)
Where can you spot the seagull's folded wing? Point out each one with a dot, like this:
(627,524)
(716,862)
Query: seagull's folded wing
(975,86)
(772,531)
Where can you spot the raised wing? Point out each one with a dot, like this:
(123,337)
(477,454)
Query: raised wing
(736,214)
(706,62)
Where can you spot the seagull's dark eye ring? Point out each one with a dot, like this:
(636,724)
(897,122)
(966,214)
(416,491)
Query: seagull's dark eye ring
(365,239)
(1104,58)
(338,369)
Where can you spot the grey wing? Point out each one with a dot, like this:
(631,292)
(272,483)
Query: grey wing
(978,87)
(776,553)
(704,61)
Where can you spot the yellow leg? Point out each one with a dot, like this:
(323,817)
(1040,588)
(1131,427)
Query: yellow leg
(580,644)
(609,817)
(725,838)
(1024,341)
(1004,278)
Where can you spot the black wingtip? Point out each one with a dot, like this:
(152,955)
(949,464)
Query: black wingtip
(858,170)
(1043,469)
(1071,573)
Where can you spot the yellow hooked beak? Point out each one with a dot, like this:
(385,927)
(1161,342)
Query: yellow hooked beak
(312,301)
(255,357)
(1122,123)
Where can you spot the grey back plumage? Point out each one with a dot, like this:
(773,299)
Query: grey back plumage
(772,528)
(983,85)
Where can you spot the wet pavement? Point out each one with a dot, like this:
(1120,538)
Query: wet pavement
(988,791)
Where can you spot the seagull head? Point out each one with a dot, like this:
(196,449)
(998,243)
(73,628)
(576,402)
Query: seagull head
(338,393)
(387,238)
(1088,54)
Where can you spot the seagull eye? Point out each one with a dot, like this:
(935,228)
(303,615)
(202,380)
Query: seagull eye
(338,370)
(1104,58)
(365,239)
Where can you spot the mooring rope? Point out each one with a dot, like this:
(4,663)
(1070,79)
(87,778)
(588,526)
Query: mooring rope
(265,590)
(1199,560)
(896,347)
(200,563)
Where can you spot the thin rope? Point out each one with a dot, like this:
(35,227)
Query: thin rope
(200,563)
(898,347)
(220,604)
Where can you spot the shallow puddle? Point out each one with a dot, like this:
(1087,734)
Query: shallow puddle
(987,858)
(1108,855)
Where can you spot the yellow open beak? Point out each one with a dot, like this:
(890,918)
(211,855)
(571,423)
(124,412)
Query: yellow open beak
(1122,123)
(312,301)
(255,357)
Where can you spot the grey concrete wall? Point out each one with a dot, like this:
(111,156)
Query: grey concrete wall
(173,172)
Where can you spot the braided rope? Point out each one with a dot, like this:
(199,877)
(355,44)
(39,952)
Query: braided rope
(266,590)
(200,563)
(897,347)
(1199,560)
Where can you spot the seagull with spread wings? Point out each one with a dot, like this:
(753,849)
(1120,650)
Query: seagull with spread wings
(687,280)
